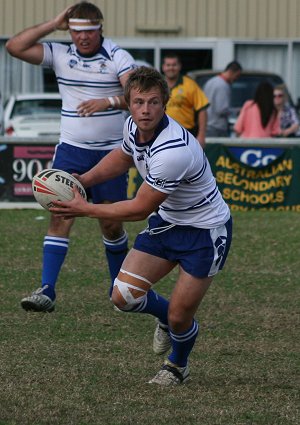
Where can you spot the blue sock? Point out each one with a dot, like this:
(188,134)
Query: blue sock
(54,253)
(182,345)
(154,304)
(116,252)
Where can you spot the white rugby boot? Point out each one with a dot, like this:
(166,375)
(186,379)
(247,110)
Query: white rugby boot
(38,302)
(171,375)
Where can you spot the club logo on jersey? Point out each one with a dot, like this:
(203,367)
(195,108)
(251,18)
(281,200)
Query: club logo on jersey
(72,63)
(103,68)
(159,182)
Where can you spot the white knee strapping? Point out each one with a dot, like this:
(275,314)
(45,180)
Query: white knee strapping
(124,288)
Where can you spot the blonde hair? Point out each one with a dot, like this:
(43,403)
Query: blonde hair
(283,89)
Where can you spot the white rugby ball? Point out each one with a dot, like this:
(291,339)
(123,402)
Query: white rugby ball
(55,185)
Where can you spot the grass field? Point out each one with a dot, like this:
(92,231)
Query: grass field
(86,364)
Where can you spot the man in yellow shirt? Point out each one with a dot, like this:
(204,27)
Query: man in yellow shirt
(188,103)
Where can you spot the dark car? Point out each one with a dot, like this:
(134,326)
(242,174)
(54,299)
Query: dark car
(242,89)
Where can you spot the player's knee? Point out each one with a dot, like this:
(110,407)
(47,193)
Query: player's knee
(59,227)
(127,296)
(179,320)
(111,230)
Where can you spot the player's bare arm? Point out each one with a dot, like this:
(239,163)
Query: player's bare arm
(25,45)
(89,107)
(202,121)
(112,165)
(146,201)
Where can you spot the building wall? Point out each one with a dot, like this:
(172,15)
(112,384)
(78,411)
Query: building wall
(254,19)
(263,35)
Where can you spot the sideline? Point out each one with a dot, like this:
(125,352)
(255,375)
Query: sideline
(235,142)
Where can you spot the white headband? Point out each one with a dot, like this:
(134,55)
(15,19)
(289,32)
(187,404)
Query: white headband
(84,24)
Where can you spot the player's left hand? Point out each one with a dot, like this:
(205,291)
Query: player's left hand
(78,207)
(88,107)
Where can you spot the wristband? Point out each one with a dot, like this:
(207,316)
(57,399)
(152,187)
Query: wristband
(118,100)
(112,101)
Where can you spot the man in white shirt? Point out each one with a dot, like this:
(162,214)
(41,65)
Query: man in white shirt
(91,73)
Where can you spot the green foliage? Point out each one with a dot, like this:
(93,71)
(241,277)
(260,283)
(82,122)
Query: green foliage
(87,364)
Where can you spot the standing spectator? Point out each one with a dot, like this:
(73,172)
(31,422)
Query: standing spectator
(258,118)
(192,228)
(218,91)
(289,121)
(187,100)
(91,73)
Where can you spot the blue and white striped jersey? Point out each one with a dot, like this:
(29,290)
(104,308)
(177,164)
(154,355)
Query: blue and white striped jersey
(82,78)
(174,163)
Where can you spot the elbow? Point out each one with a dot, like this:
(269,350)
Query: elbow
(11,47)
(142,215)
(8,46)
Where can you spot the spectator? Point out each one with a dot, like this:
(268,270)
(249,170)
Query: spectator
(91,73)
(188,103)
(258,118)
(218,91)
(288,119)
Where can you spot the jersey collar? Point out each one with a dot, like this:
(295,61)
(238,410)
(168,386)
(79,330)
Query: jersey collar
(178,82)
(101,51)
(161,126)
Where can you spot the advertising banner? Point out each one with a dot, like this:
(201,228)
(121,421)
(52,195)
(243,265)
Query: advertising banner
(274,186)
(248,178)
(20,162)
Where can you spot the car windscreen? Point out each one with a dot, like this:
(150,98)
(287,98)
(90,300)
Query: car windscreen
(36,107)
(244,88)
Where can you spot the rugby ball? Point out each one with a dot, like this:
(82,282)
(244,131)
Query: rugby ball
(55,185)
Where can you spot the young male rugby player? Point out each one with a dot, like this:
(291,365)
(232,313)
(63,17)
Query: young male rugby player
(191,231)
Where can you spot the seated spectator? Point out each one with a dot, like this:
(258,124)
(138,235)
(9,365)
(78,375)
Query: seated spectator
(288,118)
(258,117)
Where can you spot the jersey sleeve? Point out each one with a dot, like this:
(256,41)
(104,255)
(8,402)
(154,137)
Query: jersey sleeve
(126,148)
(200,98)
(52,54)
(124,61)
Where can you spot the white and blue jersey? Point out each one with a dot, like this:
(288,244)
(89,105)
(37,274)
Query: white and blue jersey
(83,78)
(174,163)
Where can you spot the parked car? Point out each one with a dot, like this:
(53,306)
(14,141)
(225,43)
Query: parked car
(32,115)
(242,89)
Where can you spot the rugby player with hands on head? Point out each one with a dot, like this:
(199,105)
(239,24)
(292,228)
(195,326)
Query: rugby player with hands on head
(91,73)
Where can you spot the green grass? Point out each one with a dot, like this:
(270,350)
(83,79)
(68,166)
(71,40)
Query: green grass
(86,364)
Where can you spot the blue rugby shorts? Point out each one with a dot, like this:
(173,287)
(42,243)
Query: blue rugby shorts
(73,159)
(200,252)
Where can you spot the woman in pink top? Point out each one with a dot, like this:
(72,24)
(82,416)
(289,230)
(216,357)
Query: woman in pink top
(258,118)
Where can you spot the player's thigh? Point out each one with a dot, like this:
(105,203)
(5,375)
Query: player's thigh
(146,265)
